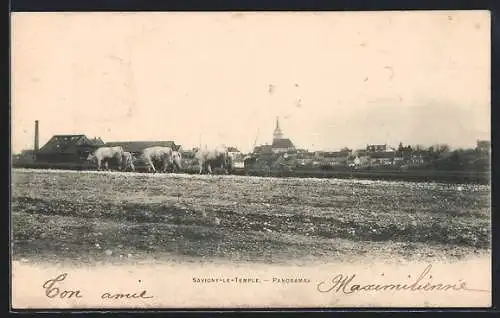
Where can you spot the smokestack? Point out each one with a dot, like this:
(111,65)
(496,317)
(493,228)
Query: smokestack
(36,140)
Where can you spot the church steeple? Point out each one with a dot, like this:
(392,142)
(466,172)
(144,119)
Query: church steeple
(277,131)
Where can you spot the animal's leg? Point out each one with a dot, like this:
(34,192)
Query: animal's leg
(119,161)
(201,168)
(151,165)
(98,165)
(209,169)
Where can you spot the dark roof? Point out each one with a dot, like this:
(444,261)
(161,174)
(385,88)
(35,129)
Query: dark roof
(361,152)
(282,143)
(334,154)
(263,149)
(138,146)
(232,149)
(68,143)
(382,155)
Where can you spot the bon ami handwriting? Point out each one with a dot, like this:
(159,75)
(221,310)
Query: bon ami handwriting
(348,285)
(53,289)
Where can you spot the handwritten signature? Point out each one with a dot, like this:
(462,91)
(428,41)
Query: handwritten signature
(347,285)
(53,290)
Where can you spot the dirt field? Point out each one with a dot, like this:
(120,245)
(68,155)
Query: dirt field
(93,217)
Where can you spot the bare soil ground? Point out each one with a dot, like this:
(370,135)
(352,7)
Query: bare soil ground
(95,217)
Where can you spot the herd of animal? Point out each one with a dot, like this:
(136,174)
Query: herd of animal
(161,159)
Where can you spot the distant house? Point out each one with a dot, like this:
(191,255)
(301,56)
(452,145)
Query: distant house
(305,155)
(136,147)
(334,158)
(235,153)
(359,160)
(376,148)
(237,156)
(303,162)
(418,158)
(382,158)
(68,148)
(263,149)
(399,158)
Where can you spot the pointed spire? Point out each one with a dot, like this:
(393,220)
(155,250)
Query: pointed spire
(277,131)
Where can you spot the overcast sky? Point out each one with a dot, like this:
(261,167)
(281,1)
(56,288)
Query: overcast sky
(335,79)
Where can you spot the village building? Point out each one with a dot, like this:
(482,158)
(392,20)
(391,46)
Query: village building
(334,158)
(234,152)
(305,158)
(263,149)
(281,144)
(418,158)
(237,156)
(376,148)
(373,156)
(68,148)
(382,158)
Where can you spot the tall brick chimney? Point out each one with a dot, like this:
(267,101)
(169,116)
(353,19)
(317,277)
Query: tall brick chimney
(35,152)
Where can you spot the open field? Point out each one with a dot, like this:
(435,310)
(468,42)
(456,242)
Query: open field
(381,173)
(88,217)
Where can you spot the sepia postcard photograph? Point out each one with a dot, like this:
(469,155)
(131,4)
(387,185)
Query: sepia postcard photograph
(181,160)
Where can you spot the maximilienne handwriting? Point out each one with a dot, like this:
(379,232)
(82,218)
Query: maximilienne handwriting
(347,285)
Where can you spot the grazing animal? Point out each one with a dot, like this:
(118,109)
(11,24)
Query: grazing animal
(210,159)
(105,154)
(176,160)
(128,161)
(161,155)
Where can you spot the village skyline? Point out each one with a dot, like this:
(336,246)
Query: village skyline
(277,135)
(334,79)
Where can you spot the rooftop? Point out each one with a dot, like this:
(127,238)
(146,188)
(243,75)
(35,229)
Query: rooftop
(382,155)
(282,143)
(68,143)
(333,154)
(263,149)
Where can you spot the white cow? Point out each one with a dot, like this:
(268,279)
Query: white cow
(211,158)
(104,154)
(162,155)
